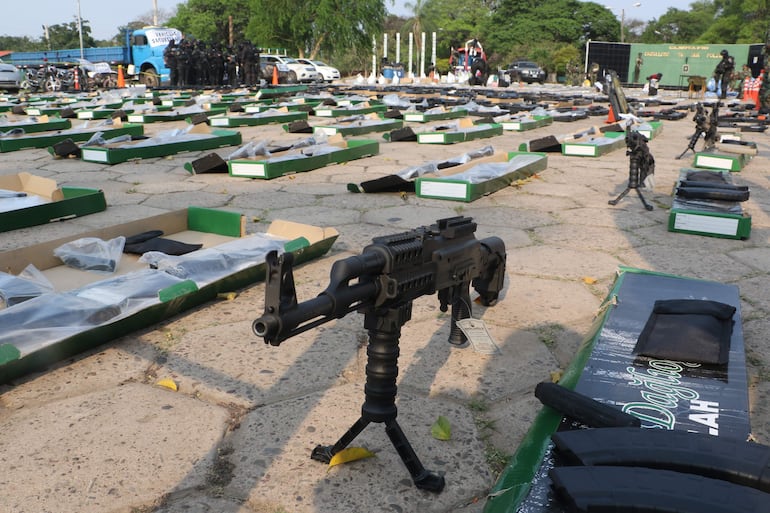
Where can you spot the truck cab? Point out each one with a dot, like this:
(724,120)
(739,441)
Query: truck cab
(146,46)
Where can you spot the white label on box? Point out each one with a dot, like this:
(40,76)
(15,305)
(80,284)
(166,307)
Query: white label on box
(219,121)
(253,109)
(584,150)
(514,125)
(443,189)
(324,130)
(88,114)
(34,112)
(167,103)
(713,162)
(135,118)
(414,117)
(706,224)
(430,138)
(94,155)
(247,169)
(323,112)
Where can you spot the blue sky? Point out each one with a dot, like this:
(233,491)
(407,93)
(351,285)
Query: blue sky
(105,16)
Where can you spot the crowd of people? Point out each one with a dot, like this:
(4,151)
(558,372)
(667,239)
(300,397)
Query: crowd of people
(195,63)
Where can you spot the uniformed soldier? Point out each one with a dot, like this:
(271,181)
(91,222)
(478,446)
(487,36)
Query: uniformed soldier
(231,67)
(170,59)
(723,73)
(764,88)
(216,64)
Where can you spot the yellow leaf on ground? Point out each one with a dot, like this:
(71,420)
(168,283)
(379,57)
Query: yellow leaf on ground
(588,280)
(168,383)
(350,454)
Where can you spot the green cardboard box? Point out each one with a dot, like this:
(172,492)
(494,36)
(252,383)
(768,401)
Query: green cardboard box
(494,173)
(292,161)
(352,110)
(605,369)
(200,138)
(594,146)
(258,119)
(88,309)
(467,131)
(359,127)
(77,134)
(650,129)
(172,115)
(435,115)
(723,219)
(526,123)
(44,202)
(722,161)
(33,125)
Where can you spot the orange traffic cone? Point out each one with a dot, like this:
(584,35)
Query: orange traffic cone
(611,116)
(77,80)
(121,78)
(275,75)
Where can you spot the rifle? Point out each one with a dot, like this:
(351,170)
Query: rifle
(704,125)
(390,273)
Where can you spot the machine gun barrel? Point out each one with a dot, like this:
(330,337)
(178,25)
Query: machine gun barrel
(283,317)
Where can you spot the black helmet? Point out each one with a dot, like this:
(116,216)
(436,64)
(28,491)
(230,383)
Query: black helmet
(723,53)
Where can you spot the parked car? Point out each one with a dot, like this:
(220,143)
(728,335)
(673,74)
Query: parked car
(329,73)
(285,74)
(525,71)
(304,72)
(10,76)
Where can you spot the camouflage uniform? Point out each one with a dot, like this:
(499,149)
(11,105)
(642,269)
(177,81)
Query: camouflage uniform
(764,88)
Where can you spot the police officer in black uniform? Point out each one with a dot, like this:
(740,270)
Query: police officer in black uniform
(170,59)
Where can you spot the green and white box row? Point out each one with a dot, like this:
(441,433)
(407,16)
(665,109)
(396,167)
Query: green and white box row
(336,150)
(162,145)
(594,146)
(723,219)
(481,177)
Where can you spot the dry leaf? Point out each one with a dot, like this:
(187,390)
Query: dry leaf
(168,383)
(350,454)
(588,280)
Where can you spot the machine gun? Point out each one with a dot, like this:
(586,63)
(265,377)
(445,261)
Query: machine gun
(705,126)
(445,258)
(641,165)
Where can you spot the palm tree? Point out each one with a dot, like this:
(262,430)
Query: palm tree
(415,23)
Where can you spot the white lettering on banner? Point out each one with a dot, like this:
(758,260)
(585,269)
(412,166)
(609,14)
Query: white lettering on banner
(162,37)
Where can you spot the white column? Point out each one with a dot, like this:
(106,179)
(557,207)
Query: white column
(411,50)
(433,56)
(385,45)
(374,56)
(422,55)
(398,46)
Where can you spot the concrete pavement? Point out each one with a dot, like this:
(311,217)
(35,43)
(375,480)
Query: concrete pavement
(96,434)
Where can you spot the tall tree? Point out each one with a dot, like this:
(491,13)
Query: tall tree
(209,20)
(67,35)
(313,27)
